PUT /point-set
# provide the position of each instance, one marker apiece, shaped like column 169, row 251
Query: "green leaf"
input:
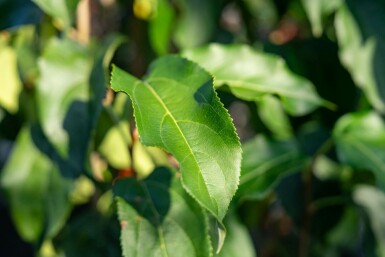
column 69, row 114
column 37, row 193
column 158, row 218
column 373, row 202
column 273, row 116
column 64, row 112
column 361, row 47
column 196, row 23
column 317, row 11
column 62, row 10
column 251, row 75
column 360, row 142
column 177, row 109
column 160, row 27
column 264, row 163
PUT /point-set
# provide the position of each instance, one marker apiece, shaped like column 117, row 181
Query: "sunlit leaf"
column 176, row 108
column 64, row 112
column 250, row 75
column 158, row 218
column 70, row 113
column 360, row 141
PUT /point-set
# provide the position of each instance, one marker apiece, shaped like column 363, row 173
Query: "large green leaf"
column 250, row 75
column 158, row 218
column 372, row 201
column 63, row 99
column 360, row 33
column 360, row 141
column 37, row 193
column 264, row 163
column 176, row 108
column 70, row 101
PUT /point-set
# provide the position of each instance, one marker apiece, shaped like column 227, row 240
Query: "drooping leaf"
column 317, row 11
column 372, row 200
column 158, row 218
column 360, row 142
column 264, row 163
column 251, row 75
column 176, row 108
column 37, row 193
column 359, row 30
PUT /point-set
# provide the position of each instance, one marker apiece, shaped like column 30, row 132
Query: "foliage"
column 192, row 128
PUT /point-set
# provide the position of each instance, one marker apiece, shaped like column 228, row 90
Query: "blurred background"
column 65, row 137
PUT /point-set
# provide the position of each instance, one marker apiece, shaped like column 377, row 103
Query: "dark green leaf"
column 264, row 163
column 158, row 218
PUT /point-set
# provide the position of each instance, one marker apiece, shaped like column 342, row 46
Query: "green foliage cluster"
column 224, row 128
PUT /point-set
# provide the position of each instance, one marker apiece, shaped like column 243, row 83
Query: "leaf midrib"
column 180, row 132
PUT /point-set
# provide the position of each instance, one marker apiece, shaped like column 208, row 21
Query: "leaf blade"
column 250, row 75
column 175, row 108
